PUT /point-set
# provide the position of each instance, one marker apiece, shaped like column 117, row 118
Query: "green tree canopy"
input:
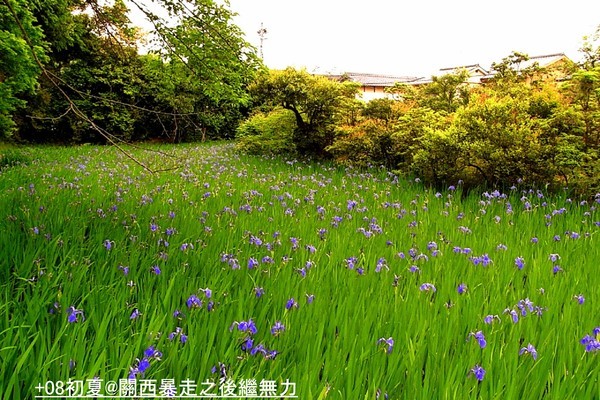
column 316, row 102
column 21, row 41
column 97, row 87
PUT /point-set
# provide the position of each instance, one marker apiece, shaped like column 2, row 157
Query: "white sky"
column 416, row 37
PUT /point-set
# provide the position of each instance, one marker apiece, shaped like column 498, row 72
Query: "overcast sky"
column 416, row 37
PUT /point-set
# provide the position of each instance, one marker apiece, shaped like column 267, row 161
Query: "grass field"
column 325, row 282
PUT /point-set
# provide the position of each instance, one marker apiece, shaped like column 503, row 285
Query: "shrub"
column 269, row 133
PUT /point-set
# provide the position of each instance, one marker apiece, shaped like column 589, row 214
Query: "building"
column 373, row 85
column 554, row 67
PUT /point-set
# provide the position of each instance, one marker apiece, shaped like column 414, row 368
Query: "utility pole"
column 262, row 33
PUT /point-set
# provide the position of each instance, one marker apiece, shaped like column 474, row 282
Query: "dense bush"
column 318, row 104
column 523, row 126
column 505, row 133
column 269, row 133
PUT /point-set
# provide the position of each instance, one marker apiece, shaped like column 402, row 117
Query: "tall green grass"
column 59, row 213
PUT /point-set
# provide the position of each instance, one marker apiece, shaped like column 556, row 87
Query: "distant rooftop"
column 472, row 67
column 542, row 61
column 367, row 79
column 477, row 73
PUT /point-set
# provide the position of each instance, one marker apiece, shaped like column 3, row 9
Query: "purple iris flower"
column 351, row 262
column 143, row 365
column 381, row 263
column 267, row 260
column 135, row 314
column 514, row 315
column 478, row 372
column 252, row 263
column 592, row 342
column 258, row 291
column 74, row 315
column 389, row 343
column 185, row 246
column 485, row 260
column 479, row 337
column 580, row 299
column 525, row 305
column 193, row 302
column 520, row 262
column 462, row 288
column 151, row 352
column 426, row 287
column 255, row 241
column 351, row 204
column 556, row 269
column 245, row 326
column 247, row 344
column 175, row 333
column 322, row 232
column 291, row 303
column 529, row 350
column 294, row 242
column 277, row 328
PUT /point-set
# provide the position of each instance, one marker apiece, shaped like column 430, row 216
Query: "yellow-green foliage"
column 269, row 133
column 501, row 133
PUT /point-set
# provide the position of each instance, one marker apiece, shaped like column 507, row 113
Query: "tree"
column 90, row 77
column 591, row 50
column 447, row 92
column 18, row 66
column 96, row 87
column 315, row 101
column 207, row 69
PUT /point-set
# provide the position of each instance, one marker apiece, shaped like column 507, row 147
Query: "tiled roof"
column 472, row 67
column 366, row 79
column 478, row 73
column 542, row 61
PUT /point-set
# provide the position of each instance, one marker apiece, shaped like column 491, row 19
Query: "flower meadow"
column 353, row 284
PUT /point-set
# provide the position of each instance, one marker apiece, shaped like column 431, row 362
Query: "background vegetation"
column 520, row 127
column 71, row 72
